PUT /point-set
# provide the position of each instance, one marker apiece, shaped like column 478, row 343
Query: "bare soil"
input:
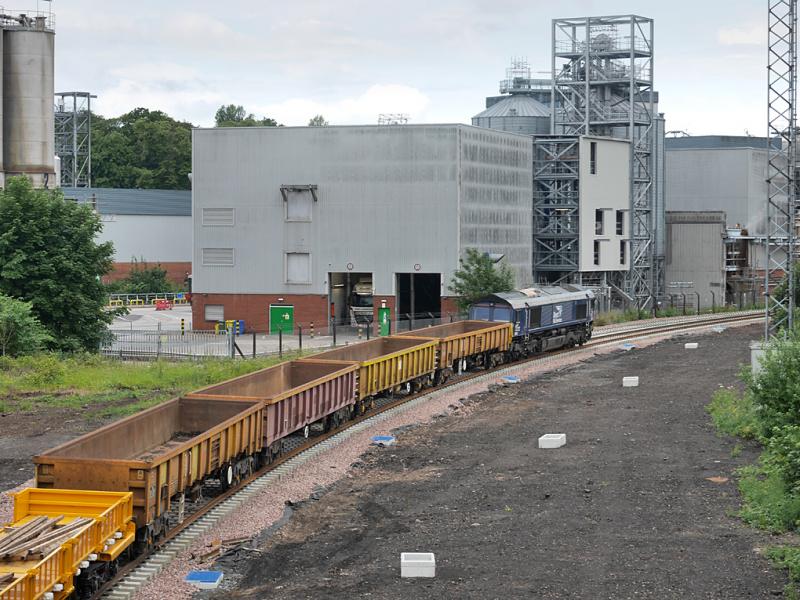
column 24, row 434
column 624, row 510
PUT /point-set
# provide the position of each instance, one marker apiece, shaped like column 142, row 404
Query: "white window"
column 218, row 217
column 218, row 257
column 299, row 206
column 214, row 312
column 298, row 267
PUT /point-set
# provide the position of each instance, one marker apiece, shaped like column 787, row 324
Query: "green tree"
column 143, row 279
column 20, row 330
column 49, row 256
column 318, row 121
column 232, row 115
column 479, row 276
column 141, row 149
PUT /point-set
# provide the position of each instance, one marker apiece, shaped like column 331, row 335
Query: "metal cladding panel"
column 388, row 199
column 110, row 201
column 28, row 118
column 515, row 124
column 294, row 412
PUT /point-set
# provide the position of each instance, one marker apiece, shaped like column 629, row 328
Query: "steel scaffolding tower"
column 73, row 130
column 782, row 194
column 603, row 85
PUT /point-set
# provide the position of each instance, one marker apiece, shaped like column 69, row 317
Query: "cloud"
column 361, row 109
column 737, row 36
column 176, row 89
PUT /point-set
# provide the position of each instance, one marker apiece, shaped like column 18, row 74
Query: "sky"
column 351, row 60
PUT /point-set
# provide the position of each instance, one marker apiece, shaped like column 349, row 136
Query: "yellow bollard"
column 312, row 330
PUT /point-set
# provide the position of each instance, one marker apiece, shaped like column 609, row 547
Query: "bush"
column 783, row 455
column 734, row 413
column 20, row 331
column 767, row 503
column 776, row 389
column 143, row 279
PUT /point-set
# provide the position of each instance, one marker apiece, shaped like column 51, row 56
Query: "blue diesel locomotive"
column 544, row 318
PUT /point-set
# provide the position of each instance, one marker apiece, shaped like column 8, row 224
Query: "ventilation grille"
column 218, row 216
column 218, row 257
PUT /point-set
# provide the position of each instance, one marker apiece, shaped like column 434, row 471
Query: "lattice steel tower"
column 782, row 205
column 73, row 130
column 603, row 85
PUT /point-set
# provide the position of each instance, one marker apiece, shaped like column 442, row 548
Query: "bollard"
column 299, row 337
column 280, row 342
column 359, row 332
column 183, row 326
column 254, row 344
column 312, row 330
column 216, row 328
column 333, row 327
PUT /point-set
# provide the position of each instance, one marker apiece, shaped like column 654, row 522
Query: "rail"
column 179, row 538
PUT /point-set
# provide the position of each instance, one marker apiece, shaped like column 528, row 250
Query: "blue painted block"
column 383, row 440
column 207, row 580
column 511, row 379
column 628, row 346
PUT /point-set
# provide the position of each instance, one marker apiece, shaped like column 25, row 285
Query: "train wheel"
column 226, row 477
column 306, row 431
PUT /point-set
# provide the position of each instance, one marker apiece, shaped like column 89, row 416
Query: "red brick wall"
column 176, row 271
column 377, row 303
column 253, row 309
column 449, row 306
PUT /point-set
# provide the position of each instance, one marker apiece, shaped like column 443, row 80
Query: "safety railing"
column 134, row 300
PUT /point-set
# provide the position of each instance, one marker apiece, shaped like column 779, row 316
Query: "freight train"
column 220, row 434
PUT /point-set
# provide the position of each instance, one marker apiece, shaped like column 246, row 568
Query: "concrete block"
column 630, row 381
column 691, row 346
column 383, row 440
column 205, row 580
column 417, row 564
column 552, row 440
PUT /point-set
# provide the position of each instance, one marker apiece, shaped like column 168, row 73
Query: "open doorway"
column 419, row 294
column 351, row 296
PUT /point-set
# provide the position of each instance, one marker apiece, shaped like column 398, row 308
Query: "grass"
column 787, row 557
column 734, row 413
column 107, row 387
column 766, row 503
column 619, row 316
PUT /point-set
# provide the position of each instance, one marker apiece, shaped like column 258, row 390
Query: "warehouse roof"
column 112, row 201
column 516, row 106
column 714, row 142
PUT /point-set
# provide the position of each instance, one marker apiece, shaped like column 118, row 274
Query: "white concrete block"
column 552, row 440
column 417, row 564
column 691, row 346
column 630, row 381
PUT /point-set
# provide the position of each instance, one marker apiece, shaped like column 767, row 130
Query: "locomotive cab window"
column 481, row 313
column 501, row 314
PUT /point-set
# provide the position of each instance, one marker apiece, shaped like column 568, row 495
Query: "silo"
column 28, row 88
column 517, row 113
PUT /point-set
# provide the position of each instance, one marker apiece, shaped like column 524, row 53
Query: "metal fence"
column 139, row 344
column 146, row 299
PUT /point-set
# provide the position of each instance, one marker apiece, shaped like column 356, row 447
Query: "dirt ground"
column 25, row 434
column 624, row 510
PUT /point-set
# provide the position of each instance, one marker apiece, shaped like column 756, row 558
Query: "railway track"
column 135, row 574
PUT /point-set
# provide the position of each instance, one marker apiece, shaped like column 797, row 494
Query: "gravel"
column 266, row 507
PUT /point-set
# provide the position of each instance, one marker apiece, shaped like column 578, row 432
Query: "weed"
column 736, row 451
column 734, row 413
column 766, row 502
column 787, row 557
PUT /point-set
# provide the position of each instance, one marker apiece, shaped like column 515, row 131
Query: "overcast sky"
column 353, row 59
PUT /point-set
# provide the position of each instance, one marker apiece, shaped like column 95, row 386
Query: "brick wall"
column 176, row 271
column 449, row 306
column 253, row 309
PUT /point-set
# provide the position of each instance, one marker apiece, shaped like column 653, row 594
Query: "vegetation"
column 231, row 115
column 20, row 330
column 143, row 279
column 318, row 121
column 106, row 387
column 141, row 149
column 768, row 411
column 479, row 276
column 49, row 257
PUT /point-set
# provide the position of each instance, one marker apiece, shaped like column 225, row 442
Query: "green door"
column 281, row 318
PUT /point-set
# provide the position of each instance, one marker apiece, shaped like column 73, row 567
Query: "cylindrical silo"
column 28, row 120
column 517, row 113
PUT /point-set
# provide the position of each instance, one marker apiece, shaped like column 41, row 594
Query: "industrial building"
column 727, row 174
column 152, row 226
column 601, row 90
column 316, row 221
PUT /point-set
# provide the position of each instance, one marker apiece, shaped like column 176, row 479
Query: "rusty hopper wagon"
column 385, row 364
column 158, row 454
column 62, row 540
column 463, row 344
column 295, row 395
